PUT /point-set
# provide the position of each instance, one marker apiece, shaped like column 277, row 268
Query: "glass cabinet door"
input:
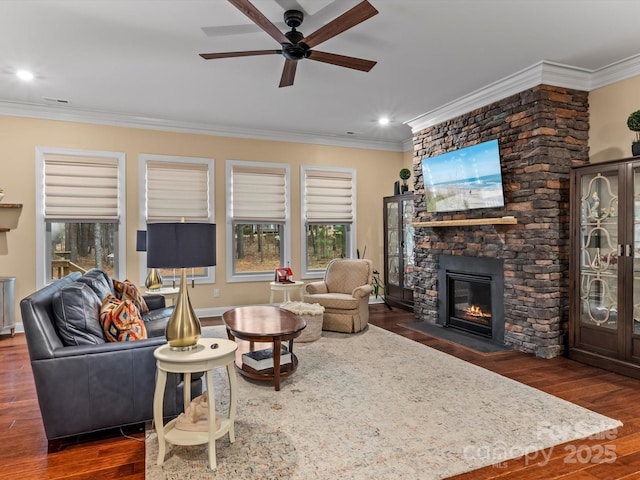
column 636, row 251
column 599, row 251
column 407, row 250
column 393, row 244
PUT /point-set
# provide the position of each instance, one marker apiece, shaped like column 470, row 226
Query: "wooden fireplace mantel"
column 468, row 222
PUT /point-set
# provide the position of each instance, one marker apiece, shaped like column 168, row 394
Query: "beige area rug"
column 376, row 405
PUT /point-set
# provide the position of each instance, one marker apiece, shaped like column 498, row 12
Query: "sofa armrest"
column 314, row 288
column 154, row 302
column 362, row 291
column 108, row 348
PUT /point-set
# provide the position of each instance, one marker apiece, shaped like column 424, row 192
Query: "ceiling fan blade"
column 248, row 53
column 350, row 18
column 246, row 7
column 342, row 60
column 288, row 73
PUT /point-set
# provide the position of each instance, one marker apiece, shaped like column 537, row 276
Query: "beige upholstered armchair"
column 344, row 294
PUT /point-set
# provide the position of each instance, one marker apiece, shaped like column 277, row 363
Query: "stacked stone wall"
column 541, row 132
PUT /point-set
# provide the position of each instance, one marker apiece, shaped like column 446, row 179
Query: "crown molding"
column 66, row 114
column 547, row 73
column 616, row 72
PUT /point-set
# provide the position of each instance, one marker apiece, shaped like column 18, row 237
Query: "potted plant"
column 405, row 174
column 633, row 122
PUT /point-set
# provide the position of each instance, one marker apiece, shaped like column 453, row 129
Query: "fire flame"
column 476, row 311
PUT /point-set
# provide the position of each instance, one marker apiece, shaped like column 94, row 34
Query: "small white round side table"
column 286, row 288
column 205, row 357
column 167, row 292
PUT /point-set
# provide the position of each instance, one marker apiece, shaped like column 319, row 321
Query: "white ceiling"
column 137, row 60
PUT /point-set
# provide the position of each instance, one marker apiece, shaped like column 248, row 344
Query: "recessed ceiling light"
column 24, row 75
column 383, row 121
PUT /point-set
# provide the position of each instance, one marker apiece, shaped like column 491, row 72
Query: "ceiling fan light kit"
column 295, row 46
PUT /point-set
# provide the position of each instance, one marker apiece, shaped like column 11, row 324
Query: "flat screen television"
column 464, row 179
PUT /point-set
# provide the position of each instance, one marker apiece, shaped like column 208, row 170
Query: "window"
column 78, row 222
column 175, row 188
column 328, row 208
column 258, row 229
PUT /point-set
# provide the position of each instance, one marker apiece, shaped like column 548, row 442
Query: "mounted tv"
column 464, row 179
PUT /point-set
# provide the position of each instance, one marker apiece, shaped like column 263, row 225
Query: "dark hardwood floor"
column 23, row 446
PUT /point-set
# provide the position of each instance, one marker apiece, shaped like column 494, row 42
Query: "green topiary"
column 633, row 122
column 405, row 174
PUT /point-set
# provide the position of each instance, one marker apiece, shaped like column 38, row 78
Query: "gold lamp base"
column 154, row 280
column 183, row 329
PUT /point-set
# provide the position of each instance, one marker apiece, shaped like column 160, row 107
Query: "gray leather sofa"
column 85, row 384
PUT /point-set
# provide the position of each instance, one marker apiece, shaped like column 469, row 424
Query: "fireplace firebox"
column 471, row 295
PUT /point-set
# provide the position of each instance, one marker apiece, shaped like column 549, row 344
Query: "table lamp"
column 153, row 280
column 181, row 245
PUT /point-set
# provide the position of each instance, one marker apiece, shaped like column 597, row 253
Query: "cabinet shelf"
column 468, row 222
column 9, row 215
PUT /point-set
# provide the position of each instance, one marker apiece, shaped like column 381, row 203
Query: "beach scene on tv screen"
column 464, row 179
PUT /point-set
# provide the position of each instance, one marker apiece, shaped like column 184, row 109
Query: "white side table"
column 167, row 292
column 203, row 358
column 287, row 288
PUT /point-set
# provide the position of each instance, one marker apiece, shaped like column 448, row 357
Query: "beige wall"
column 408, row 163
column 375, row 172
column 609, row 107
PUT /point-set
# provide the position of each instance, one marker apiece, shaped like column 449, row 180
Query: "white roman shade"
column 177, row 190
column 328, row 196
column 259, row 194
column 80, row 187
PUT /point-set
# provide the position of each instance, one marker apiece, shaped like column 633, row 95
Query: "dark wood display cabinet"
column 604, row 322
column 398, row 251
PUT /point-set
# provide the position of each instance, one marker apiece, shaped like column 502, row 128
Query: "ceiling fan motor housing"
column 295, row 50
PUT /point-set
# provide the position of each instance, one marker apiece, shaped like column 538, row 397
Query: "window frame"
column 209, row 276
column 285, row 237
column 350, row 227
column 43, row 230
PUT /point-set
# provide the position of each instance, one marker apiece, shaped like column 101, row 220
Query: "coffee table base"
column 268, row 374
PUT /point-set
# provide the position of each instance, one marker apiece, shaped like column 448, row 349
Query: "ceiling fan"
column 295, row 46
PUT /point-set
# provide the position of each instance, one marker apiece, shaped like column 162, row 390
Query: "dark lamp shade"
column 181, row 245
column 141, row 241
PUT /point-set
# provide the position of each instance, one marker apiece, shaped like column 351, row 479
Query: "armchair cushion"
column 341, row 301
column 76, row 309
column 121, row 321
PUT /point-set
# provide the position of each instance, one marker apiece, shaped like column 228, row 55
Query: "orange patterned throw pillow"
column 120, row 320
column 128, row 291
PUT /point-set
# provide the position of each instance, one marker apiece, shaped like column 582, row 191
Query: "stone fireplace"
column 471, row 295
column 542, row 132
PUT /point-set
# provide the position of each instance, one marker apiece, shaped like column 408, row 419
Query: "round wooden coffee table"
column 259, row 324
